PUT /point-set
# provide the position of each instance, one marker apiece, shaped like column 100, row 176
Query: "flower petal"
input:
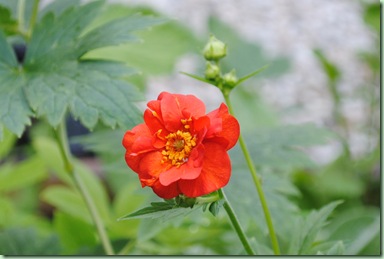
column 189, row 170
column 151, row 165
column 166, row 192
column 134, row 147
column 175, row 107
column 228, row 132
column 215, row 173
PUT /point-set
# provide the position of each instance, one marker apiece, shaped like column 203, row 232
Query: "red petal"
column 230, row 128
column 189, row 170
column 135, row 143
column 190, row 105
column 166, row 192
column 151, row 165
column 175, row 107
column 214, row 175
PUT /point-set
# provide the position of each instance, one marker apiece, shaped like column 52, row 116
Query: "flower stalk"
column 32, row 22
column 62, row 140
column 256, row 180
column 236, row 224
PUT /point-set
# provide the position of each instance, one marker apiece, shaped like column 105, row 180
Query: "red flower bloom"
column 180, row 149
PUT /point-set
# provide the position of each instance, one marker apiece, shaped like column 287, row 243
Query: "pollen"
column 178, row 147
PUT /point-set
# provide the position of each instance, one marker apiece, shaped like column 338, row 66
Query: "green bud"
column 212, row 71
column 230, row 79
column 215, row 49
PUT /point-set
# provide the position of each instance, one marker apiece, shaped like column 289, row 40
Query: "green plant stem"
column 127, row 248
column 257, row 183
column 236, row 224
column 20, row 14
column 62, row 140
column 32, row 22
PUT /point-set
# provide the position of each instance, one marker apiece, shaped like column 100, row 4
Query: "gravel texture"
column 292, row 28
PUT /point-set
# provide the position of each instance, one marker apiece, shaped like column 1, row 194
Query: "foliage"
column 81, row 61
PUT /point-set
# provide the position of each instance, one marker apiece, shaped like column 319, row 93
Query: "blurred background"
column 311, row 120
column 319, row 52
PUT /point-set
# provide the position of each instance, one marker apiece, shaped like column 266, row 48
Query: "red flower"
column 180, row 149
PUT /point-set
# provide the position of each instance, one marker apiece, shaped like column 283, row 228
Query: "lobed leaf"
column 307, row 229
column 26, row 241
column 54, row 79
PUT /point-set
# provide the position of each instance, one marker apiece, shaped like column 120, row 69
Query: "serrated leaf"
column 282, row 146
column 54, row 79
column 307, row 229
column 64, row 32
column 14, row 109
column 26, row 241
column 153, row 56
column 58, row 7
column 115, row 32
column 162, row 210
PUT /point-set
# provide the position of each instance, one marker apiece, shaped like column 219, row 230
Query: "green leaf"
column 64, row 225
column 214, row 208
column 359, row 227
column 306, row 230
column 21, row 175
column 153, row 56
column 116, row 32
column 331, row 70
column 58, row 7
column 7, row 23
column 71, row 202
column 7, row 143
column 336, row 249
column 14, row 110
column 68, row 201
column 281, row 146
column 25, row 241
column 198, row 78
column 252, row 74
column 163, row 210
column 372, row 16
column 54, row 78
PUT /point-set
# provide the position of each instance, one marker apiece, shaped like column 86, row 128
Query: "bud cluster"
column 213, row 52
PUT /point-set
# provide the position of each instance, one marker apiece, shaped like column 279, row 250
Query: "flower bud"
column 230, row 79
column 215, row 49
column 212, row 71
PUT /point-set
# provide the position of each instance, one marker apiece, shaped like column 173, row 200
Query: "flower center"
column 178, row 147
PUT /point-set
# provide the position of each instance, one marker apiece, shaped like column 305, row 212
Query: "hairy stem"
column 62, row 140
column 236, row 224
column 257, row 183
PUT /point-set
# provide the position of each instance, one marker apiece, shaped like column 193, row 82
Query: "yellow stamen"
column 178, row 147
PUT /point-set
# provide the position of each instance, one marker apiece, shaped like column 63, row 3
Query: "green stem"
column 236, row 224
column 20, row 14
column 62, row 140
column 257, row 183
column 127, row 248
column 32, row 22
